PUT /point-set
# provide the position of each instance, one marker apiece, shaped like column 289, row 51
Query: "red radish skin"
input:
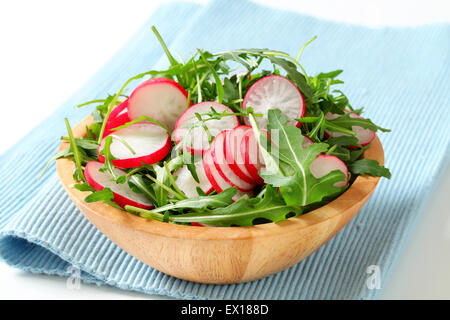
column 271, row 92
column 198, row 142
column 117, row 118
column 220, row 162
column 161, row 99
column 324, row 164
column 196, row 224
column 186, row 182
column 119, row 109
column 118, row 121
column 253, row 159
column 123, row 195
column 150, row 142
column 364, row 136
column 233, row 154
column 219, row 184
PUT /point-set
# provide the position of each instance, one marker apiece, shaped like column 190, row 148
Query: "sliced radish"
column 161, row 99
column 219, row 184
column 324, row 164
column 196, row 224
column 364, row 136
column 307, row 141
column 253, row 159
column 117, row 117
column 119, row 109
column 186, row 182
column 197, row 138
column 274, row 92
column 233, row 154
column 123, row 195
column 218, row 155
column 150, row 142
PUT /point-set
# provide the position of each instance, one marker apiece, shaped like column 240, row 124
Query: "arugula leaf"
column 314, row 190
column 342, row 141
column 105, row 195
column 243, row 212
column 341, row 152
column 370, row 167
column 355, row 154
column 108, row 165
column 83, row 187
column 296, row 76
column 213, row 71
column 201, row 202
column 161, row 193
column 75, row 151
column 347, row 122
column 140, row 183
column 297, row 185
column 140, row 119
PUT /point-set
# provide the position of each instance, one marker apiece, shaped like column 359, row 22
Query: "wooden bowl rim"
column 346, row 201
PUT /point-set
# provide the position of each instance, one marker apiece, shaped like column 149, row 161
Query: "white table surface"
column 60, row 44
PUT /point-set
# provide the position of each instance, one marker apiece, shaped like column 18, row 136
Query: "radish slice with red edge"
column 274, row 92
column 150, row 142
column 324, row 164
column 218, row 155
column 197, row 138
column 186, row 182
column 196, row 224
column 161, row 99
column 123, row 195
column 364, row 136
column 253, row 159
column 219, row 184
column 233, row 153
column 117, row 118
column 119, row 109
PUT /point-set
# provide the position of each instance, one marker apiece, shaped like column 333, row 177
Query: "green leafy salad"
column 233, row 138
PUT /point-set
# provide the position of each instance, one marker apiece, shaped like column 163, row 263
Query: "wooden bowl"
column 228, row 254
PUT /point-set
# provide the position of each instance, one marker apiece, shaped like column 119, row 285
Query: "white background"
column 50, row 48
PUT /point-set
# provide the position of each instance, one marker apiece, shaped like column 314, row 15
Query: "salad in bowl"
column 228, row 139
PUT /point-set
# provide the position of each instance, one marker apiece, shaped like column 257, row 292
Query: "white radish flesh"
column 123, row 195
column 161, row 99
column 197, row 138
column 324, row 164
column 253, row 158
column 186, row 182
column 219, row 184
column 233, row 155
column 150, row 142
column 274, row 92
column 221, row 164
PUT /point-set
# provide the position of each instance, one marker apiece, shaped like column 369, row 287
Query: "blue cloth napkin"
column 400, row 75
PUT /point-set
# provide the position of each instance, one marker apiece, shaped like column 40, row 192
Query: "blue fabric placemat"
column 400, row 75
